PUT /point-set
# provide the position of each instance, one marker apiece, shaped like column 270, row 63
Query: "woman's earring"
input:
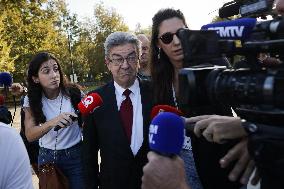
column 159, row 53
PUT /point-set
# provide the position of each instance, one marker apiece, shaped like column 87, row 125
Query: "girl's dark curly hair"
column 35, row 89
column 162, row 71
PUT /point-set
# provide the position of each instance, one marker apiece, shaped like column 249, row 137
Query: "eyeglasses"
column 119, row 61
column 167, row 38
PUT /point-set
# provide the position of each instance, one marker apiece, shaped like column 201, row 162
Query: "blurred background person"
column 144, row 70
column 14, row 161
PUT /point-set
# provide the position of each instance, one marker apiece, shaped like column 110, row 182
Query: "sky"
column 197, row 12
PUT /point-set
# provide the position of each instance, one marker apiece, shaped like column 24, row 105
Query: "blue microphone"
column 166, row 134
column 6, row 79
column 239, row 29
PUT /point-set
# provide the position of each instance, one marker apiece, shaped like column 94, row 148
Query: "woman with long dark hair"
column 51, row 102
column 201, row 157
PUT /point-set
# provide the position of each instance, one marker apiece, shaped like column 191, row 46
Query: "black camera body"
column 254, row 91
column 252, row 8
column 5, row 115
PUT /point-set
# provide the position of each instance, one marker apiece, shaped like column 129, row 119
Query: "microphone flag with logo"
column 90, row 103
column 165, row 108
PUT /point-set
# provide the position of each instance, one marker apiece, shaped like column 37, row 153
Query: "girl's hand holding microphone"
column 63, row 120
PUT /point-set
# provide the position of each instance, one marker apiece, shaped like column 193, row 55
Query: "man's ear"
column 107, row 63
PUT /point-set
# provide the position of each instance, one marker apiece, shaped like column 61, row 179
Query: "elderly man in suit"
column 119, row 128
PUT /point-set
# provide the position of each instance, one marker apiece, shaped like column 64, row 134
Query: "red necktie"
column 126, row 114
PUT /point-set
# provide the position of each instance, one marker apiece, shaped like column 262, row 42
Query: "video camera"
column 255, row 90
column 251, row 8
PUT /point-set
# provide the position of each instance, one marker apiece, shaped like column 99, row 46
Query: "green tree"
column 29, row 27
column 106, row 21
column 147, row 31
column 69, row 27
column 6, row 62
column 84, row 49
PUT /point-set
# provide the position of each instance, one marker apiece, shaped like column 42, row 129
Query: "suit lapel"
column 146, row 108
column 112, row 109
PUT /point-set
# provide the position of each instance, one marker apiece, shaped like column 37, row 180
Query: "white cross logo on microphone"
column 88, row 100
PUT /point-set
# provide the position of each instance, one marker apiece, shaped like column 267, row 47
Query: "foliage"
column 6, row 62
column 28, row 27
column 138, row 30
column 106, row 22
column 88, row 49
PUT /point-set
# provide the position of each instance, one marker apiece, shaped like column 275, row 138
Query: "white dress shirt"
column 137, row 124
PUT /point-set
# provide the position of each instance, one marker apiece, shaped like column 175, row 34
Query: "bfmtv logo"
column 87, row 101
column 153, row 130
column 229, row 31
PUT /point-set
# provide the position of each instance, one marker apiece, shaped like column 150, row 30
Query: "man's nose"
column 125, row 64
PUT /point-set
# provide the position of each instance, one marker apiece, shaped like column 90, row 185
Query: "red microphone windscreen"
column 90, row 103
column 165, row 108
column 2, row 100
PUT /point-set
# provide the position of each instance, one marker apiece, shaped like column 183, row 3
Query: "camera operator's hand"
column 217, row 128
column 244, row 164
column 164, row 173
column 17, row 89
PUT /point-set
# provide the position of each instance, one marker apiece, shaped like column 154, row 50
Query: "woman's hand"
column 34, row 132
column 63, row 120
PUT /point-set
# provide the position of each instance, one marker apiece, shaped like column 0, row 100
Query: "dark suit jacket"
column 103, row 131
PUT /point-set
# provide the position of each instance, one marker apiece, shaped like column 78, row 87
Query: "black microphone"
column 229, row 9
column 73, row 118
column 5, row 115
